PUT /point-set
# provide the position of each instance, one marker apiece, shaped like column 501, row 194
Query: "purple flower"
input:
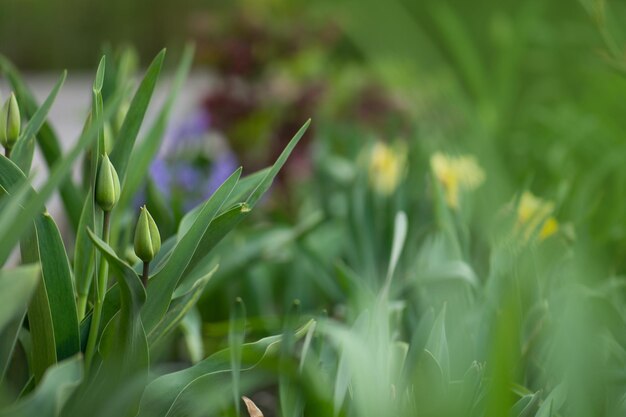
column 222, row 169
column 191, row 129
column 193, row 162
column 160, row 175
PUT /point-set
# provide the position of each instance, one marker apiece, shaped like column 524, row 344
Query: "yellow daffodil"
column 456, row 174
column 533, row 213
column 387, row 166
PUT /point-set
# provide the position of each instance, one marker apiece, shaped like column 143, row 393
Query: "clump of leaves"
column 78, row 329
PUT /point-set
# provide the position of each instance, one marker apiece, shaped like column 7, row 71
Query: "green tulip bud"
column 107, row 185
column 147, row 237
column 9, row 122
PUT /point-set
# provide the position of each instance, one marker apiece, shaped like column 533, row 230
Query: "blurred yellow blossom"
column 456, row 174
column 387, row 166
column 533, row 214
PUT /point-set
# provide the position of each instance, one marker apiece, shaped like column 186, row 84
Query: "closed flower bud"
column 9, row 122
column 107, row 185
column 147, row 237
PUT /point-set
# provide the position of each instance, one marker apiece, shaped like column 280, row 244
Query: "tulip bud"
column 9, row 122
column 107, row 185
column 147, row 237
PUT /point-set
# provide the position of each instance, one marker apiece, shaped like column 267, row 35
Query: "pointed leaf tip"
column 253, row 410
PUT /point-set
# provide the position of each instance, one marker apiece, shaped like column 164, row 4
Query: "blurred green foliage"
column 453, row 222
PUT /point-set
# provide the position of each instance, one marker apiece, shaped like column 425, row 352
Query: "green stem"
column 101, row 287
column 146, row 271
column 81, row 305
column 7, row 153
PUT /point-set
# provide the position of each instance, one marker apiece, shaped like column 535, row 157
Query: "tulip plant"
column 79, row 329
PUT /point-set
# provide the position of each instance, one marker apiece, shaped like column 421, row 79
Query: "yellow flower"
column 550, row 227
column 456, row 174
column 533, row 214
column 387, row 166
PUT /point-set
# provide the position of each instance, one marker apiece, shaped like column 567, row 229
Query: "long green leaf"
column 11, row 228
column 124, row 341
column 162, row 285
column 57, row 278
column 44, row 352
column 437, row 342
column 217, row 230
column 242, row 190
column 46, row 138
column 227, row 223
column 166, row 394
column 84, row 259
column 147, row 148
column 16, row 289
column 52, row 312
column 132, row 122
column 236, row 337
column 266, row 183
column 23, row 152
column 55, row 388
column 179, row 308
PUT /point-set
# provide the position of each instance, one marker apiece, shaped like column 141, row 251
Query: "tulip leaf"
column 553, row 402
column 25, row 146
column 526, row 406
column 236, row 337
column 165, row 396
column 12, row 227
column 47, row 139
column 132, row 122
column 228, row 222
column 266, row 183
column 141, row 158
column 17, row 287
column 54, row 390
column 52, row 312
column 57, row 278
column 124, row 339
column 162, row 285
column 179, row 307
column 84, row 259
column 437, row 343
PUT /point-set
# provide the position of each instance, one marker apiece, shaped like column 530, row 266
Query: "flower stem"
column 7, row 153
column 81, row 305
column 146, row 271
column 101, row 287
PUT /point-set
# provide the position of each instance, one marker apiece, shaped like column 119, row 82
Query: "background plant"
column 456, row 234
